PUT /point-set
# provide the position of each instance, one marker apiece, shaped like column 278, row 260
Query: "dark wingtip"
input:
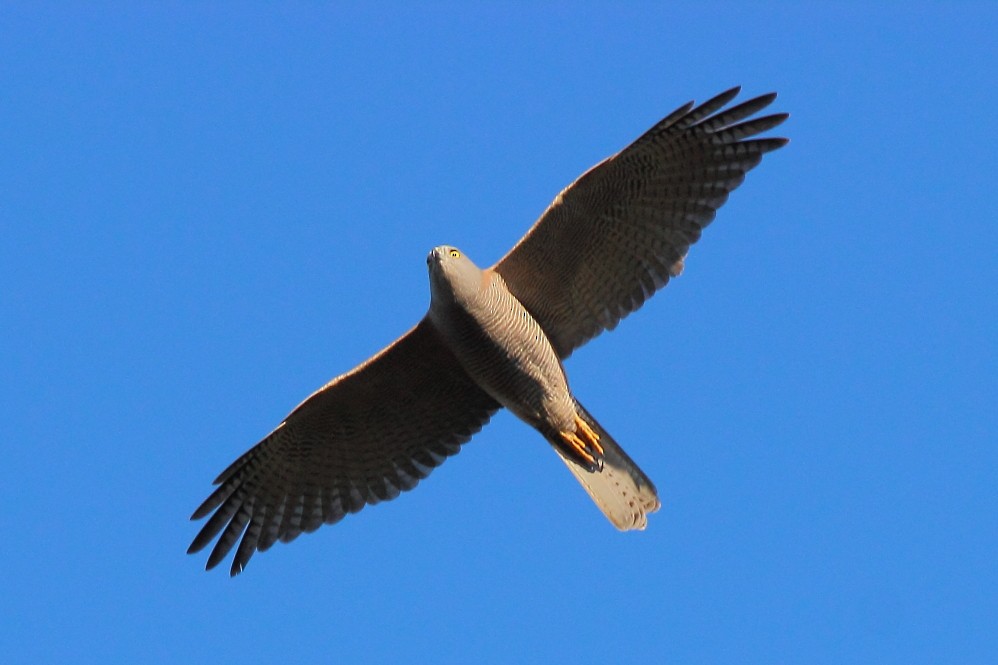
column 779, row 118
column 766, row 99
column 776, row 143
column 199, row 542
column 216, row 557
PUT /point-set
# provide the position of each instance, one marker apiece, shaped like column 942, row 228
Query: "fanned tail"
column 621, row 490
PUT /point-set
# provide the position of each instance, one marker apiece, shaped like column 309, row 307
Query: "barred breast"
column 506, row 351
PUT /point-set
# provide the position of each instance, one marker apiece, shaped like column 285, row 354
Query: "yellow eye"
column 454, row 254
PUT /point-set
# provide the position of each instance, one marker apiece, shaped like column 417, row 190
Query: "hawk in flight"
column 496, row 338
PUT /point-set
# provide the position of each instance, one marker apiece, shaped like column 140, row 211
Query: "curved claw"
column 583, row 445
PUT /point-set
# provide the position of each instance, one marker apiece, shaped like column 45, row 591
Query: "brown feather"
column 363, row 438
column 616, row 235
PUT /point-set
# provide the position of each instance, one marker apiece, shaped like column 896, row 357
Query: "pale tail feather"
column 621, row 490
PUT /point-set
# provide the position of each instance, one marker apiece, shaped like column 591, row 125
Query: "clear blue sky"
column 207, row 212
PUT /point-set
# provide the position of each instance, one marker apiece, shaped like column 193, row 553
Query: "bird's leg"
column 584, row 443
column 588, row 434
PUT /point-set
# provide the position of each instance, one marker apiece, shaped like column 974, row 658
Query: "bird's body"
column 497, row 341
column 496, row 338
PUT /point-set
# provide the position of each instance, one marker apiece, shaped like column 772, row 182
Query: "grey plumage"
column 495, row 338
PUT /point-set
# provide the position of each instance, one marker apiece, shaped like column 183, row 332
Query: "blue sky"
column 208, row 211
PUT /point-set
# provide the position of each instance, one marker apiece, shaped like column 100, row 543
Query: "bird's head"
column 453, row 276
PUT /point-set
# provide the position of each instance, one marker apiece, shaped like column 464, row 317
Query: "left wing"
column 618, row 233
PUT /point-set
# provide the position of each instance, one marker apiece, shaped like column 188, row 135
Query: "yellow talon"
column 588, row 434
column 582, row 440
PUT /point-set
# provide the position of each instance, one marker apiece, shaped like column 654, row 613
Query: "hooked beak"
column 434, row 257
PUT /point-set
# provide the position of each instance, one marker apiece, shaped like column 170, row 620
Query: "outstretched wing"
column 363, row 438
column 618, row 233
